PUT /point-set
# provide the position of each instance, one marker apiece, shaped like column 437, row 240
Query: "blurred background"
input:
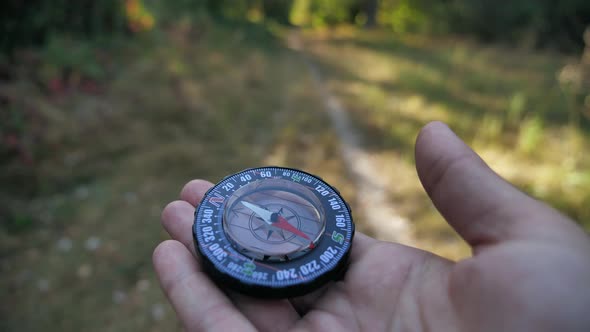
column 108, row 107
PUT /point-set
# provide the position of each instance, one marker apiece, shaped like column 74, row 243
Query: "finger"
column 199, row 304
column 303, row 304
column 177, row 219
column 266, row 315
column 194, row 191
column 360, row 244
column 178, row 216
column 477, row 203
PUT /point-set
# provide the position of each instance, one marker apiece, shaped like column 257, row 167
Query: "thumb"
column 481, row 206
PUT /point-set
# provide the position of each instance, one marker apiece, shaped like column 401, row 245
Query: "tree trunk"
column 371, row 7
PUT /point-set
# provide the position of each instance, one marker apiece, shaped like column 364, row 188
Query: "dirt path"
column 376, row 209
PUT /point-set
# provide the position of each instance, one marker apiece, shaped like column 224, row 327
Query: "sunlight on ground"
column 495, row 99
column 177, row 111
column 194, row 103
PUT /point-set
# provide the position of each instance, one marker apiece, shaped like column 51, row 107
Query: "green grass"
column 205, row 100
column 506, row 103
column 184, row 104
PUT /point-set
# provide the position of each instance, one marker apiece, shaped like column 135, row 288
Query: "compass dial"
column 274, row 220
column 273, row 232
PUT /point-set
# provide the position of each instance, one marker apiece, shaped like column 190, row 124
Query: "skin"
column 530, row 269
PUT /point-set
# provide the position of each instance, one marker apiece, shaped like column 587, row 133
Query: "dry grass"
column 205, row 101
column 176, row 110
column 505, row 103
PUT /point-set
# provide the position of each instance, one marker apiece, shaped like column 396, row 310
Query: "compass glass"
column 273, row 232
column 274, row 220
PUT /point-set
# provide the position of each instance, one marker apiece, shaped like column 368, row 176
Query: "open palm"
column 530, row 268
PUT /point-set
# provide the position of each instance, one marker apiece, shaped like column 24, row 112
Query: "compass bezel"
column 273, row 279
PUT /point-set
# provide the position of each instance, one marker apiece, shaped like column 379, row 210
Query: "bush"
column 30, row 23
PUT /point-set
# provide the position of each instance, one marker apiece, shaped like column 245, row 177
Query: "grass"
column 205, row 100
column 180, row 107
column 505, row 103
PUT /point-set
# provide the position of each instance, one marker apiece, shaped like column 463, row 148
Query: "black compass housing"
column 316, row 242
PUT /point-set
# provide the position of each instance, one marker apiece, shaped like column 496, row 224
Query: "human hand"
column 530, row 269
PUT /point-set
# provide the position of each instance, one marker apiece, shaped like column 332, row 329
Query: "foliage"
column 66, row 55
column 251, row 10
column 546, row 23
column 139, row 18
column 542, row 23
column 408, row 16
column 100, row 123
column 530, row 135
column 330, row 12
column 30, row 23
column 539, row 23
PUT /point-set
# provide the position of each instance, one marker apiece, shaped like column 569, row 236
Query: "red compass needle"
column 275, row 220
column 283, row 224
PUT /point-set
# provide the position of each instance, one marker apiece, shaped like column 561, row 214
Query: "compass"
column 273, row 232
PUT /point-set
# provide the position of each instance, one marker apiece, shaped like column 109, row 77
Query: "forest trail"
column 379, row 215
column 343, row 104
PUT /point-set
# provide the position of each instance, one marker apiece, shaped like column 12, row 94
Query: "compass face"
column 275, row 219
column 273, row 232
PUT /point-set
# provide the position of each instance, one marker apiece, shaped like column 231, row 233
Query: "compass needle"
column 250, row 227
column 282, row 223
column 262, row 213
